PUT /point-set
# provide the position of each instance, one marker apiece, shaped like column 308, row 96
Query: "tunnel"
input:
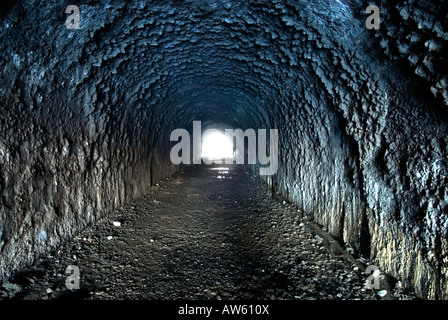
column 90, row 92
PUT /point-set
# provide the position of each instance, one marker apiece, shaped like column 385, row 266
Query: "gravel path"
column 212, row 232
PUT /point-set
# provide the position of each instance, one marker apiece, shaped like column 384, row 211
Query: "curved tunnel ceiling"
column 225, row 61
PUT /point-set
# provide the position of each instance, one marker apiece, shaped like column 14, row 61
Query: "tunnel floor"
column 207, row 232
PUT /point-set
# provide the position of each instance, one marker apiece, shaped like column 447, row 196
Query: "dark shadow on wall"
column 6, row 6
column 364, row 236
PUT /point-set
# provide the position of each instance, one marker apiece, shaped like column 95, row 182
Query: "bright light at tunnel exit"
column 217, row 146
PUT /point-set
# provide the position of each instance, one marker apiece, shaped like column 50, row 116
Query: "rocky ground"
column 212, row 232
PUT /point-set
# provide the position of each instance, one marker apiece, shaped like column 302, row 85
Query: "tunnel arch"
column 362, row 138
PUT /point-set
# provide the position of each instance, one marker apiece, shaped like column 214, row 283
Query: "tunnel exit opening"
column 216, row 147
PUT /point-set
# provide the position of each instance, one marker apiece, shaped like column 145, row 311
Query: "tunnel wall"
column 71, row 149
column 63, row 165
column 380, row 185
column 409, row 190
column 415, row 33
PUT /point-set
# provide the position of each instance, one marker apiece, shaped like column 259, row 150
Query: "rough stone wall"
column 87, row 116
column 381, row 184
column 408, row 191
column 71, row 148
column 416, row 33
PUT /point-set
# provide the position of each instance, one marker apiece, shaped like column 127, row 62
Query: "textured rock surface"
column 86, row 115
column 191, row 238
column 417, row 32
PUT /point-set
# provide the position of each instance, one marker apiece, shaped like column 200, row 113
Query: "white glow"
column 217, row 146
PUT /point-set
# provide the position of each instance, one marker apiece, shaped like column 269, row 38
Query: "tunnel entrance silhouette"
column 216, row 146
